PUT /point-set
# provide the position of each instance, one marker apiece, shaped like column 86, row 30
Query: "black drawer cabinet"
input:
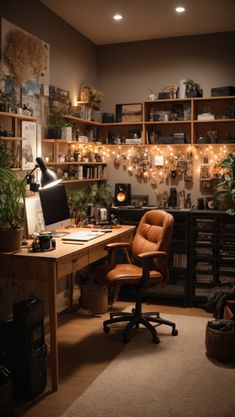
column 212, row 252
column 177, row 288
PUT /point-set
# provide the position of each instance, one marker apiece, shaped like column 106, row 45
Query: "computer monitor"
column 55, row 208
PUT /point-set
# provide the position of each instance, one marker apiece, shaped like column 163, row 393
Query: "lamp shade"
column 48, row 177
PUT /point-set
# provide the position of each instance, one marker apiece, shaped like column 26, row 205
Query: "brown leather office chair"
column 147, row 265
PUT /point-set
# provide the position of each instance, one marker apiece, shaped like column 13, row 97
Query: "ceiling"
column 144, row 19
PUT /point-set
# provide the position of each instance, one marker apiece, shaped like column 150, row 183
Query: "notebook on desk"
column 82, row 236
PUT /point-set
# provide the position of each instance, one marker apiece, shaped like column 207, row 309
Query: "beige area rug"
column 172, row 379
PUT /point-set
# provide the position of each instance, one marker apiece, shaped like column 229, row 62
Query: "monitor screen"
column 55, row 208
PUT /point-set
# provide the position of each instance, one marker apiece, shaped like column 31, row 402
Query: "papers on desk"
column 82, row 236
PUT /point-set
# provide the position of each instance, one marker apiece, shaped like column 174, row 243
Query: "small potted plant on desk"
column 225, row 188
column 12, row 192
column 79, row 201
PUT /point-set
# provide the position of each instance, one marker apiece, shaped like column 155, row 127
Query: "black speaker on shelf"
column 122, row 194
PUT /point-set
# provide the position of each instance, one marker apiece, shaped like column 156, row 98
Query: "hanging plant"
column 26, row 56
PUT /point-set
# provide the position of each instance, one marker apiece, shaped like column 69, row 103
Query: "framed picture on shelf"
column 29, row 144
column 31, row 97
column 129, row 113
column 205, row 172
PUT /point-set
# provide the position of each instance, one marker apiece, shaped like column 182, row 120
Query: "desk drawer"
column 72, row 264
column 97, row 252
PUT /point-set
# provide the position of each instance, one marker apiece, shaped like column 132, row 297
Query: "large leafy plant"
column 225, row 188
column 12, row 192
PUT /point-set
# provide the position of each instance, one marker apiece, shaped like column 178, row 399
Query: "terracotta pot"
column 10, row 239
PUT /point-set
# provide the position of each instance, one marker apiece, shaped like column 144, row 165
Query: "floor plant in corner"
column 12, row 192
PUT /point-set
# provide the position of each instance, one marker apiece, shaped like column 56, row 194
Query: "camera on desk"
column 43, row 242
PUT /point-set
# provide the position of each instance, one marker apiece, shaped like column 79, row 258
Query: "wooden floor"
column 84, row 352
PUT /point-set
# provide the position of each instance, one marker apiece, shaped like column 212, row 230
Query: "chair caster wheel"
column 174, row 332
column 156, row 340
column 106, row 329
column 125, row 339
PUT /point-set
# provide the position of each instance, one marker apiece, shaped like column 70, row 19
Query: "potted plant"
column 12, row 192
column 101, row 195
column 79, row 201
column 225, row 189
column 192, row 89
column 56, row 123
column 7, row 101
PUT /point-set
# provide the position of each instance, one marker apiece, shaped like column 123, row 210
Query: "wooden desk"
column 50, row 266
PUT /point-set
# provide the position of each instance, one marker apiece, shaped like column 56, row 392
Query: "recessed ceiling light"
column 180, row 9
column 117, row 17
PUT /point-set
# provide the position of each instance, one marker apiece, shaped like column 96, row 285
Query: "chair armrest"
column 147, row 260
column 117, row 245
column 112, row 247
column 152, row 255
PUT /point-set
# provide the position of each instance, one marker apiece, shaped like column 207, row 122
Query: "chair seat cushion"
column 122, row 274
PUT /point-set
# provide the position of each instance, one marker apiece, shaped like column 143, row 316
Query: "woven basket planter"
column 94, row 297
column 220, row 344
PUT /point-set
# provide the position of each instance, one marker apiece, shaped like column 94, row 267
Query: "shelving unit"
column 11, row 132
column 171, row 122
column 168, row 121
column 175, row 121
column 63, row 156
column 223, row 125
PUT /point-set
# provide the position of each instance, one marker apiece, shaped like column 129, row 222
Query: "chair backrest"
column 153, row 233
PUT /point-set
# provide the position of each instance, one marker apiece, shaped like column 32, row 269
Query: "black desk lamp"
column 48, row 177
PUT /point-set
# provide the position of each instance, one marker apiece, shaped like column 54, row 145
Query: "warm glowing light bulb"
column 117, row 17
column 180, row 9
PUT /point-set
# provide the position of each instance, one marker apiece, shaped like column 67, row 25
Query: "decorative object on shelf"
column 141, row 163
column 25, row 55
column 129, row 113
column 31, row 98
column 192, row 88
column 225, row 189
column 90, row 96
column 230, row 112
column 205, row 172
column 7, row 101
column 181, row 89
column 56, row 122
column 12, row 192
column 168, row 92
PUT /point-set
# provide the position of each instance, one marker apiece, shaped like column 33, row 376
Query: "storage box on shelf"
column 11, row 131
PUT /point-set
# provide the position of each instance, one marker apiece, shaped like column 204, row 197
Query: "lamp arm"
column 27, row 176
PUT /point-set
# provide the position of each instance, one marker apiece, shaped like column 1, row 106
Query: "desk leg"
column 52, row 284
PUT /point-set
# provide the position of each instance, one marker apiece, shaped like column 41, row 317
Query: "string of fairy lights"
column 159, row 163
column 156, row 163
